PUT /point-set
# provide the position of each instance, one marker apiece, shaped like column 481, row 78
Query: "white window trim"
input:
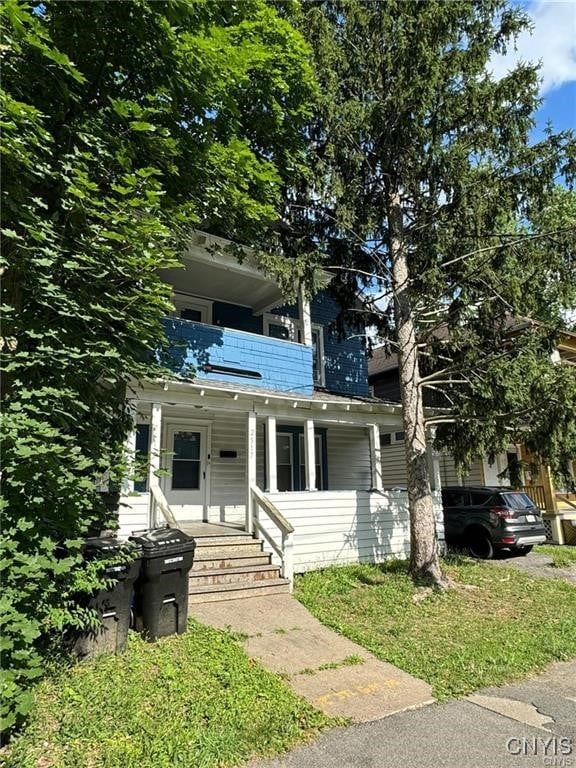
column 320, row 352
column 393, row 440
column 295, row 334
column 185, row 301
column 288, row 322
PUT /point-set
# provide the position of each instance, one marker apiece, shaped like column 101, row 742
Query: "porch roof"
column 211, row 268
column 318, row 400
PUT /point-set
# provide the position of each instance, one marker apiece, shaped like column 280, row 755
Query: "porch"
column 303, row 474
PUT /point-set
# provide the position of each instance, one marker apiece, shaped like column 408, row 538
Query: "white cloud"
column 552, row 42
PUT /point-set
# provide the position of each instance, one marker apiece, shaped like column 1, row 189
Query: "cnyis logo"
column 557, row 751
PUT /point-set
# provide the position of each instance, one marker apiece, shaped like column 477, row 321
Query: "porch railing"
column 159, row 504
column 567, row 498
column 536, row 493
column 285, row 549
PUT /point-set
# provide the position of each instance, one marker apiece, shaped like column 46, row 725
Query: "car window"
column 480, row 498
column 455, row 498
column 517, row 500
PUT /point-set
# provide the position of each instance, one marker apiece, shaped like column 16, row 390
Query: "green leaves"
column 182, row 113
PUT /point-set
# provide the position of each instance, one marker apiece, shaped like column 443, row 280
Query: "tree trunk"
column 424, row 560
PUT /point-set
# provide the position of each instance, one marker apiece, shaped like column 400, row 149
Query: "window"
column 318, row 354
column 284, row 461
column 279, row 327
column 455, row 498
column 142, row 451
column 517, row 500
column 387, row 438
column 289, row 329
column 291, row 459
column 192, row 308
column 480, row 498
column 186, row 461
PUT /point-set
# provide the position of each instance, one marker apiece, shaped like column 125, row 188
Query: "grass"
column 562, row 557
column 188, row 700
column 506, row 626
column 349, row 661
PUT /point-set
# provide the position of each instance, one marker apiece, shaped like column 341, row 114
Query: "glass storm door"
column 185, row 484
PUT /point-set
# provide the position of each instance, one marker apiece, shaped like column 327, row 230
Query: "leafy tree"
column 123, row 125
column 426, row 191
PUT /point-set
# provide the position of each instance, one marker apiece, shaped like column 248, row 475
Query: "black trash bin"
column 162, row 590
column 114, row 604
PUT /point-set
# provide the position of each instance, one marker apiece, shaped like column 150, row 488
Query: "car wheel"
column 524, row 550
column 480, row 546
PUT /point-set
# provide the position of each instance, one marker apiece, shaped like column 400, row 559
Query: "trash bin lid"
column 102, row 546
column 159, row 540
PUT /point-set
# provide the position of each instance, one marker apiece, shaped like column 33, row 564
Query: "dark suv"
column 486, row 519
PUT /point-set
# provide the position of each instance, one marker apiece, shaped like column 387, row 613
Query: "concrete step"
column 218, row 541
column 217, row 592
column 234, row 560
column 243, row 575
column 218, row 551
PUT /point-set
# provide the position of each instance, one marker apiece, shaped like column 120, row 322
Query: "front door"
column 185, row 485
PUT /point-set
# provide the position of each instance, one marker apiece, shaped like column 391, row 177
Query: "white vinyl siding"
column 348, row 459
column 394, row 468
column 339, row 527
column 228, row 475
column 133, row 514
column 450, row 476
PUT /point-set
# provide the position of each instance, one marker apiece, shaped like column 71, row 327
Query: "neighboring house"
column 559, row 503
column 268, row 426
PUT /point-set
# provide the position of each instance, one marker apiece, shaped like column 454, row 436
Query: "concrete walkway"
column 332, row 673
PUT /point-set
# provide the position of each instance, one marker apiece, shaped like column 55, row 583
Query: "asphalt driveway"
column 536, row 565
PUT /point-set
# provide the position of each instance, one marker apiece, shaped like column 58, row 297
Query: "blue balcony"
column 212, row 353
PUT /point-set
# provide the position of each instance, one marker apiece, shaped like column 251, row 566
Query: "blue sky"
column 553, row 42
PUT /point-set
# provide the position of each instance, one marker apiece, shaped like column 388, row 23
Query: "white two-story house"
column 266, row 436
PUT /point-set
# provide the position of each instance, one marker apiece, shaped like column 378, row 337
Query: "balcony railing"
column 209, row 352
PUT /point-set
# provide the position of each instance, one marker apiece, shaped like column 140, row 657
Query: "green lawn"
column 562, row 557
column 504, row 626
column 189, row 701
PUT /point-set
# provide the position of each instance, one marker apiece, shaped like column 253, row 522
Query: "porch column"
column 310, row 455
column 375, row 457
column 271, row 459
column 250, row 469
column 154, row 457
column 130, row 451
column 305, row 316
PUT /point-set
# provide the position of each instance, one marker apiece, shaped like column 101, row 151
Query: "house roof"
column 381, row 362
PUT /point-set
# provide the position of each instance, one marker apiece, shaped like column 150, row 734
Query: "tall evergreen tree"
column 427, row 191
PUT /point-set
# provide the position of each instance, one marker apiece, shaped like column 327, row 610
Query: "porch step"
column 220, row 551
column 217, row 592
column 232, row 566
column 225, row 540
column 230, row 560
column 244, row 574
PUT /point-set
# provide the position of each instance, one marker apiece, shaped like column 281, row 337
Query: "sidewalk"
column 332, row 673
column 524, row 725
